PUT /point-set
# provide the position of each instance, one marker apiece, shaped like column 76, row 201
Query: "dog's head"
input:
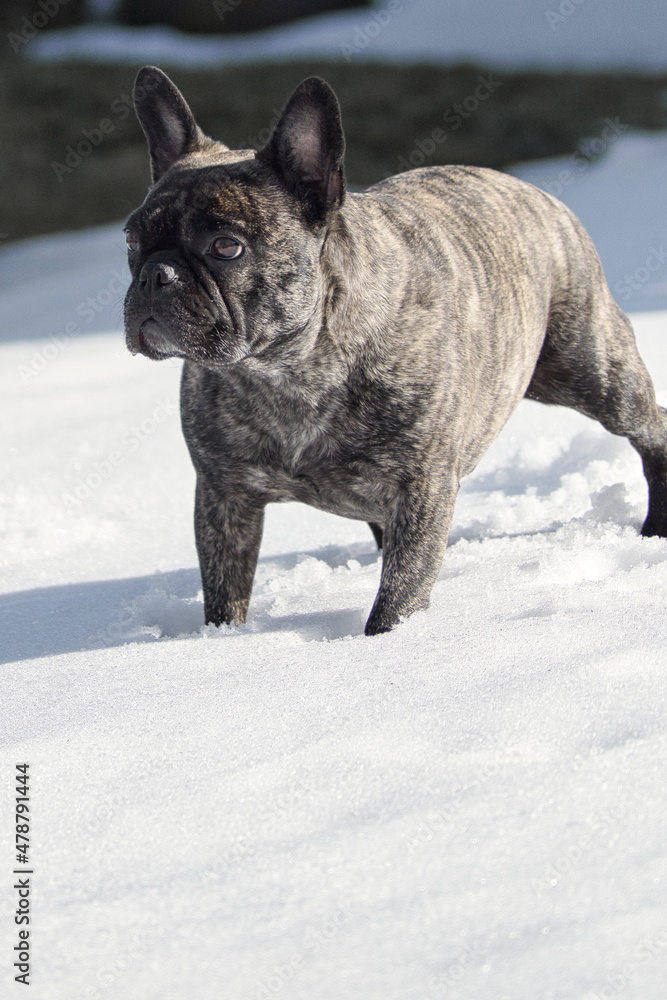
column 225, row 250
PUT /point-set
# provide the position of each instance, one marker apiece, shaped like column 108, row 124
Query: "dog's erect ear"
column 307, row 148
column 169, row 126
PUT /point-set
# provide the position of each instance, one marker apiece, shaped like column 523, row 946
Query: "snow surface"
column 470, row 807
column 594, row 33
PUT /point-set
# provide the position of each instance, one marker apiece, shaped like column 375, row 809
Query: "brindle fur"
column 365, row 349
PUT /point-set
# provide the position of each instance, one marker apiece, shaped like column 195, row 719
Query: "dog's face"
column 225, row 250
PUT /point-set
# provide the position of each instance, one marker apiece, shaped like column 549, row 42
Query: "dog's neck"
column 348, row 323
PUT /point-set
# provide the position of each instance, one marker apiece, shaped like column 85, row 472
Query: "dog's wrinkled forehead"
column 196, row 198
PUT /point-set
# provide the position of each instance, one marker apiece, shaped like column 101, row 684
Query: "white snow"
column 470, row 807
column 600, row 33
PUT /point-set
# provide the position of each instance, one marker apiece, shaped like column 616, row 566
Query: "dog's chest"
column 349, row 489
column 317, row 457
column 315, row 468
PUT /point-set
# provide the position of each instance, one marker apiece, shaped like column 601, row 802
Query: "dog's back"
column 491, row 272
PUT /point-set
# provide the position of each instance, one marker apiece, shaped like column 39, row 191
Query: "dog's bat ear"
column 307, row 148
column 168, row 123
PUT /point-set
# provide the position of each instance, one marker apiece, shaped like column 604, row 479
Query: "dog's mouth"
column 181, row 327
column 149, row 332
column 153, row 341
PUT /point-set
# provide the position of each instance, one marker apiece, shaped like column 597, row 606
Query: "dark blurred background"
column 72, row 154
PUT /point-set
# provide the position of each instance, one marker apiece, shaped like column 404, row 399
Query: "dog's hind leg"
column 590, row 362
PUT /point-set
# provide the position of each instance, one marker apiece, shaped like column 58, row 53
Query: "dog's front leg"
column 228, row 533
column 414, row 542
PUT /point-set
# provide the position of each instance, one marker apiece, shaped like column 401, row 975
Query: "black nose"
column 154, row 274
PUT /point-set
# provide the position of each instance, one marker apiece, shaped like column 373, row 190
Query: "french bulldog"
column 358, row 352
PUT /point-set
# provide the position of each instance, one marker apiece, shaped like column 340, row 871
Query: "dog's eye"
column 225, row 248
column 132, row 241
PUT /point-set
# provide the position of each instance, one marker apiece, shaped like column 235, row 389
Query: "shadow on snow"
column 48, row 621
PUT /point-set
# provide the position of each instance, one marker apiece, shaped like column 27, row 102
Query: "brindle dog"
column 359, row 352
